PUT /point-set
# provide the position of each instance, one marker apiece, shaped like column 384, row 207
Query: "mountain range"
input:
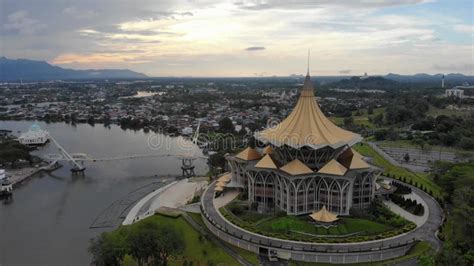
column 14, row 70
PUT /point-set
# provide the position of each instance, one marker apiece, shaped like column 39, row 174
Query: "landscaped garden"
column 377, row 223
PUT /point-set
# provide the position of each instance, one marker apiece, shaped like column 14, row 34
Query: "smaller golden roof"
column 296, row 167
column 225, row 178
column 266, row 162
column 352, row 160
column 249, row 154
column 218, row 189
column 221, row 184
column 333, row 168
column 324, row 216
column 357, row 162
column 267, row 150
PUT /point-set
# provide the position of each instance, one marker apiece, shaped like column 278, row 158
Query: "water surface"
column 48, row 222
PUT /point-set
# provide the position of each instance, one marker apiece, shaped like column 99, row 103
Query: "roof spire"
column 309, row 52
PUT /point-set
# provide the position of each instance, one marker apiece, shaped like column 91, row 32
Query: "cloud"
column 21, row 23
column 305, row 4
column 165, row 38
column 345, row 71
column 464, row 28
column 457, row 67
column 255, row 48
column 77, row 13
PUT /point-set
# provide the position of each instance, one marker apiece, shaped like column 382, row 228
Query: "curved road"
column 424, row 232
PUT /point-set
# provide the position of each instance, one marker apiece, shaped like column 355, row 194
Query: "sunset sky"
column 243, row 38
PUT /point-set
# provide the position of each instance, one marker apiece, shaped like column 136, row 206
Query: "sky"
column 244, row 37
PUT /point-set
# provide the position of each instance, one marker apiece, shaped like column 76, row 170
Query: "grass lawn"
column 250, row 256
column 392, row 170
column 199, row 251
column 303, row 224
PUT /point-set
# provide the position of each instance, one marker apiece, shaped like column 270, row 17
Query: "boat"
column 6, row 187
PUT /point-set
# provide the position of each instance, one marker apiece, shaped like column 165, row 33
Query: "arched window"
column 323, row 191
column 335, row 197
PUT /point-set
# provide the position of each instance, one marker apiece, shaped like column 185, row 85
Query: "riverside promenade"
column 340, row 253
column 174, row 195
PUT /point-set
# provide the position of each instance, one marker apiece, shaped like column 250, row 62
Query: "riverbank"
column 172, row 196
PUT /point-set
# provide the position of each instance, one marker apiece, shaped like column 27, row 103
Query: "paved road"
column 424, row 232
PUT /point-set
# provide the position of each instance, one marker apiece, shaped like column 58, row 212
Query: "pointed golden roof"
column 219, row 189
column 296, row 167
column 352, row 160
column 266, row 162
column 324, row 216
column 267, row 150
column 307, row 126
column 225, row 178
column 333, row 168
column 249, row 154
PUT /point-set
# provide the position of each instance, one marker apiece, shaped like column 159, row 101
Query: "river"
column 49, row 220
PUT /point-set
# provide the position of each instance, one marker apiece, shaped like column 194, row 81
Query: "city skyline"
column 243, row 38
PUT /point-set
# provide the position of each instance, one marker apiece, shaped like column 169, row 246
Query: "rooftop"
column 307, row 126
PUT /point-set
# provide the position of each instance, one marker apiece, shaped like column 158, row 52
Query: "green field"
column 250, row 256
column 301, row 228
column 396, row 171
column 303, row 224
column 361, row 120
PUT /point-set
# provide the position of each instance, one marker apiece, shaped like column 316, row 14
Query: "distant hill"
column 365, row 83
column 32, row 70
column 426, row 78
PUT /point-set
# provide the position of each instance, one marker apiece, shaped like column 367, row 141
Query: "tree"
column 226, row 126
column 109, row 248
column 142, row 241
column 406, row 157
column 170, row 242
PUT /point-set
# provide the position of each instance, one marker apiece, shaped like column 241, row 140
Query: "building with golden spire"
column 307, row 162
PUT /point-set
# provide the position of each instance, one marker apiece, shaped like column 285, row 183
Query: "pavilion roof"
column 324, row 216
column 225, row 178
column 352, row 160
column 333, row 168
column 266, row 162
column 267, row 150
column 296, row 167
column 249, row 154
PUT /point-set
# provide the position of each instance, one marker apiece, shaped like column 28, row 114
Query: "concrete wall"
column 322, row 257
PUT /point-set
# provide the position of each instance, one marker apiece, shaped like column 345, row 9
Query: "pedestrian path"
column 174, row 195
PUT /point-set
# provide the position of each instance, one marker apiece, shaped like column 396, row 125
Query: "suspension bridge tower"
column 188, row 166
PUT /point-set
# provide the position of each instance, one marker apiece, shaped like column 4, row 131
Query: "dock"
column 19, row 176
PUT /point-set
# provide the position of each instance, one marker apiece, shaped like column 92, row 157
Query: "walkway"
column 174, row 195
column 425, row 231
